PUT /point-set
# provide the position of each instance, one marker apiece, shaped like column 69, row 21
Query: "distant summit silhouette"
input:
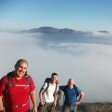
column 66, row 35
column 53, row 30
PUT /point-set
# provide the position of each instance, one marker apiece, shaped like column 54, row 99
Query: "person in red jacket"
column 15, row 89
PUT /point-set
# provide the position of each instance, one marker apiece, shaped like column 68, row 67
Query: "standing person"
column 48, row 94
column 15, row 89
column 71, row 92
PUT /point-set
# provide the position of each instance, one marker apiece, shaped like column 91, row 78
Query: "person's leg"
column 50, row 107
column 53, row 109
column 43, row 108
column 73, row 109
column 66, row 109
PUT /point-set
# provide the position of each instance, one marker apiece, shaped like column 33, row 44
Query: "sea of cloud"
column 89, row 64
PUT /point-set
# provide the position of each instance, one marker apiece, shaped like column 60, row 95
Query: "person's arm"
column 1, row 104
column 33, row 94
column 3, row 82
column 41, row 96
column 81, row 95
column 33, row 99
column 62, row 88
column 42, row 90
column 55, row 97
column 56, row 94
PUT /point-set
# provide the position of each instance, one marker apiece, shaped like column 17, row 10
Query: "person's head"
column 71, row 82
column 21, row 67
column 54, row 77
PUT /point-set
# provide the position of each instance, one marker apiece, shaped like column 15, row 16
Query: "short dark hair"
column 19, row 61
column 54, row 74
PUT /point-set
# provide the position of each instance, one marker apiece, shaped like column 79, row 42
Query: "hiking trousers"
column 69, row 109
column 48, row 107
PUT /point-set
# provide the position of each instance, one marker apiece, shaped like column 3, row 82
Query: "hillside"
column 94, row 107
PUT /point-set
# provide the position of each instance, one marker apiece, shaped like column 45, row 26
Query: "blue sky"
column 76, row 14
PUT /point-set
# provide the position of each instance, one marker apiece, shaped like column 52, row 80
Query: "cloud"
column 89, row 64
column 101, row 34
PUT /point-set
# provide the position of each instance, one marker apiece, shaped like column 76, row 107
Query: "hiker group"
column 17, row 88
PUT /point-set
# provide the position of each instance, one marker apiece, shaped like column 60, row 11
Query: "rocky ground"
column 94, row 107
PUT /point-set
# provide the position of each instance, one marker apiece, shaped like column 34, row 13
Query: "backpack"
column 76, row 90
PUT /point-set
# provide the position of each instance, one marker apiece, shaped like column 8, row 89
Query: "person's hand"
column 77, row 102
column 42, row 103
column 54, row 103
column 34, row 109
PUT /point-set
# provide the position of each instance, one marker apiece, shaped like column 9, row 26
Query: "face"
column 71, row 82
column 54, row 78
column 21, row 69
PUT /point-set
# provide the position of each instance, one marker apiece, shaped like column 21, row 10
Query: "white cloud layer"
column 89, row 64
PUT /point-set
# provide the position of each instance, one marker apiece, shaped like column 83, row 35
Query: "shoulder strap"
column 9, row 75
column 47, row 86
column 28, row 79
column 55, row 92
column 47, row 80
column 56, row 87
column 76, row 90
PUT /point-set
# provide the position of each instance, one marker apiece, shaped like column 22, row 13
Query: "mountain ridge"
column 48, row 29
column 66, row 35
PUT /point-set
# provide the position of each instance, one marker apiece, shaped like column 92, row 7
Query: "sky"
column 76, row 14
column 86, row 57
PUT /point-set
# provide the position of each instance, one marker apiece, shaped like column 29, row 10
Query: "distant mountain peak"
column 69, row 35
column 47, row 27
column 52, row 30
